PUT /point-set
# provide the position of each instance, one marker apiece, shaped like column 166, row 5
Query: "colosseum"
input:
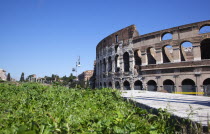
column 171, row 60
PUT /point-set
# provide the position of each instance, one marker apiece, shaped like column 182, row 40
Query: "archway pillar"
column 144, row 58
column 132, row 63
column 196, row 51
column 113, row 64
column 159, row 56
column 176, row 54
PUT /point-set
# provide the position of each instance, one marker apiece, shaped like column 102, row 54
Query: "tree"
column 8, row 77
column 22, row 77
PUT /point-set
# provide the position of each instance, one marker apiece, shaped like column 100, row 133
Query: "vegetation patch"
column 35, row 108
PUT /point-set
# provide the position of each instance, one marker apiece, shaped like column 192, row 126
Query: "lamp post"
column 76, row 68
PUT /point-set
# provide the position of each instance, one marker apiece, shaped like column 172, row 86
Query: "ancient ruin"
column 171, row 60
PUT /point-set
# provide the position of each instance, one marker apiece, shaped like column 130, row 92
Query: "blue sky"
column 45, row 37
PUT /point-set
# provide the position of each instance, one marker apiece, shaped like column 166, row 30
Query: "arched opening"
column 104, row 67
column 151, row 85
column 117, row 68
column 100, row 85
column 126, row 62
column 206, row 87
column 137, row 57
column 205, row 49
column 167, row 36
column 188, row 85
column 110, row 84
column 126, row 85
column 167, row 53
column 110, row 64
column 117, row 85
column 168, row 85
column 116, row 48
column 204, row 29
column 104, row 84
column 186, row 50
column 100, row 67
column 150, row 56
column 138, row 85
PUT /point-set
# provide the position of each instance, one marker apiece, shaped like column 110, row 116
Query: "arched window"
column 168, row 85
column 126, row 62
column 116, row 48
column 138, row 85
column 186, row 50
column 150, row 56
column 117, row 85
column 167, row 53
column 104, row 84
column 204, row 29
column 110, row 84
column 151, row 85
column 126, row 85
column 206, row 87
column 188, row 85
column 104, row 67
column 117, row 68
column 110, row 64
column 205, row 49
column 137, row 57
column 167, row 36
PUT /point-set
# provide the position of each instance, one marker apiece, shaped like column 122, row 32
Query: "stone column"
column 196, row 51
column 159, row 56
column 176, row 54
column 113, row 64
column 131, row 61
column 144, row 58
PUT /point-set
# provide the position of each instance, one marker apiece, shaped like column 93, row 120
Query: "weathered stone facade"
column 127, row 60
column 86, row 75
column 3, row 75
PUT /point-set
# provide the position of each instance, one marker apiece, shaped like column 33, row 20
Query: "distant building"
column 3, row 75
column 86, row 75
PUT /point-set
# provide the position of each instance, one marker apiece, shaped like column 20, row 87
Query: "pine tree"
column 22, row 77
column 8, row 77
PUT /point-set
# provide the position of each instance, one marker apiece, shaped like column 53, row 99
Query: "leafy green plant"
column 35, row 108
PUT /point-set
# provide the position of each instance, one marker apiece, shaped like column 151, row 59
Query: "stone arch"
column 126, row 62
column 151, row 55
column 188, row 85
column 110, row 84
column 138, row 85
column 117, row 85
column 206, row 87
column 186, row 50
column 167, row 52
column 137, row 57
column 166, row 36
column 168, row 85
column 126, row 85
column 205, row 49
column 204, row 29
column 151, row 85
column 117, row 68
column 110, row 64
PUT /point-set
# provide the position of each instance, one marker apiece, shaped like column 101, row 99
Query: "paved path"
column 197, row 108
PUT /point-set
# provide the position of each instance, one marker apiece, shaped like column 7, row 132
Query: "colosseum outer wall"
column 180, row 63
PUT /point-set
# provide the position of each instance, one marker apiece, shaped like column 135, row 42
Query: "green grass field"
column 33, row 108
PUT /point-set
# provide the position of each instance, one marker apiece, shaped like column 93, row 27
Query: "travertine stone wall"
column 160, row 66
